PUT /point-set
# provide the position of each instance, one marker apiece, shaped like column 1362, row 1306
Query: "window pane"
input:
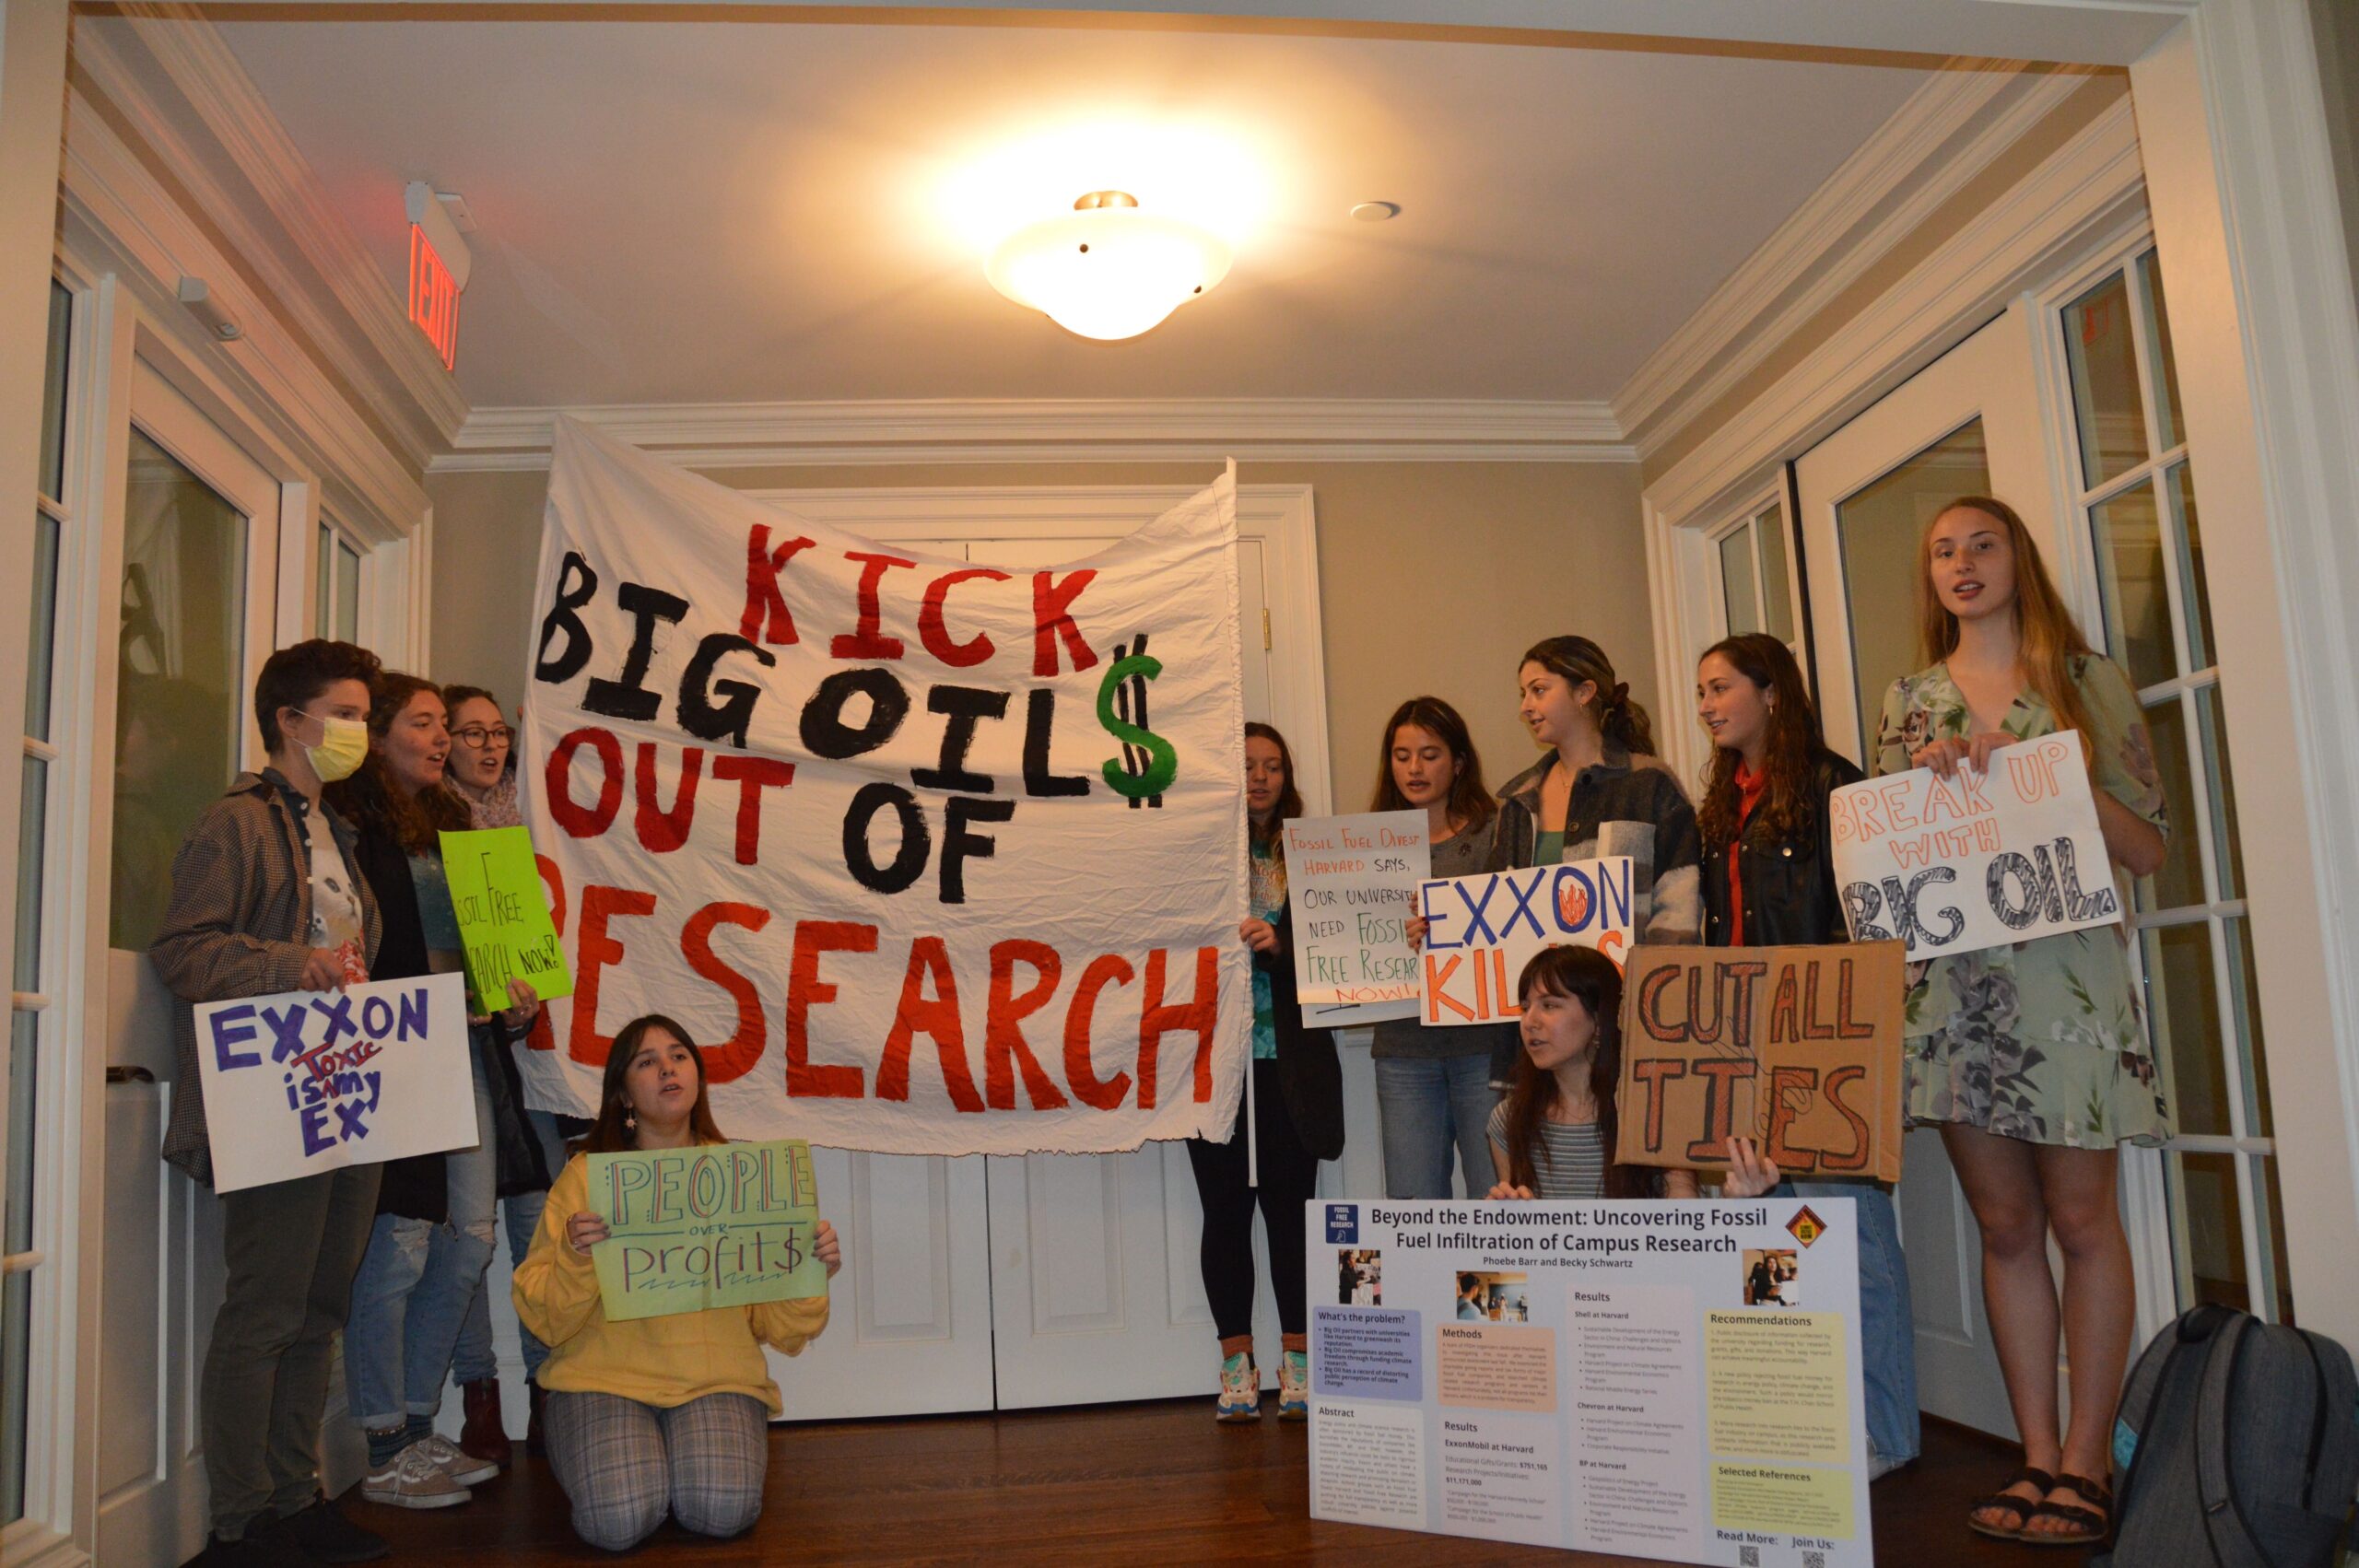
column 52, row 392
column 2183, row 1012
column 15, row 1332
column 2193, row 589
column 2104, row 361
column 32, row 843
column 41, row 645
column 323, row 596
column 2265, row 1174
column 182, row 664
column 1777, row 589
column 1880, row 527
column 2130, row 579
column 2180, row 881
column 2224, row 848
column 1736, row 582
column 2158, row 352
column 2244, row 1016
column 2211, row 1223
column 347, row 593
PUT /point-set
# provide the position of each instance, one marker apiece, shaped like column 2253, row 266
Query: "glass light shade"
column 1109, row 272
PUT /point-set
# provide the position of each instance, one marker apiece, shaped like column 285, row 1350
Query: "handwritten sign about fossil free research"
column 1481, row 931
column 1353, row 881
column 1975, row 860
column 929, row 856
column 724, row 1226
column 313, row 1081
column 503, row 915
column 1796, row 1047
column 1672, row 1381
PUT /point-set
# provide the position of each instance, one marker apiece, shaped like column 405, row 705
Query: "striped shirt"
column 1569, row 1163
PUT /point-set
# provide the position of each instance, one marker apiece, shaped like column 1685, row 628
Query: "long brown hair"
column 1794, row 743
column 608, row 1134
column 372, row 797
column 1289, row 798
column 1577, row 660
column 2048, row 641
column 1588, row 977
column 1470, row 803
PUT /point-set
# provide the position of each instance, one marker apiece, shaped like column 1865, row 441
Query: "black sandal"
column 2021, row 1507
column 2090, row 1526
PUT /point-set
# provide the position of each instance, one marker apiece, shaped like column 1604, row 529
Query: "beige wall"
column 1433, row 577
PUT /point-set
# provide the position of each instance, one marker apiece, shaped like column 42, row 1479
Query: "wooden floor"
column 1139, row 1484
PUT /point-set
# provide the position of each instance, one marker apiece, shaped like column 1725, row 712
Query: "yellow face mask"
column 344, row 746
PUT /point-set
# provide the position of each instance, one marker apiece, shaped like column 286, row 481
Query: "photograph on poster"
column 1498, row 1297
column 1359, row 1278
column 1771, row 1276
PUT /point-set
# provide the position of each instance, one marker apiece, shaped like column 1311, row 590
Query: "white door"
column 197, row 581
column 1966, row 425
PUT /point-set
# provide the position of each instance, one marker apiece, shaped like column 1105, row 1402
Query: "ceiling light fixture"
column 1107, row 270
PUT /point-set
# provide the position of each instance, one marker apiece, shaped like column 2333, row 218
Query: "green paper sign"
column 503, row 916
column 727, row 1224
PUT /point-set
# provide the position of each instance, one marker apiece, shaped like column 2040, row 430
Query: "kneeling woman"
column 659, row 1414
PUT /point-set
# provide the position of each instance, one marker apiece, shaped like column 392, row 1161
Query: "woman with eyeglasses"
column 531, row 1142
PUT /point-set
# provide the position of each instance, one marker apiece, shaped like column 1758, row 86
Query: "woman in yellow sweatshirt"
column 655, row 1415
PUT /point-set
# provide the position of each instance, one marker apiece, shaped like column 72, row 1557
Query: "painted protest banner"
column 1481, row 931
column 1663, row 1381
column 307, row 1082
column 1975, row 860
column 1352, row 881
column 929, row 856
column 720, row 1225
column 503, row 920
column 1796, row 1047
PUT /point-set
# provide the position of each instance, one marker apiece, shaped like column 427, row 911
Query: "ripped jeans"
column 415, row 1288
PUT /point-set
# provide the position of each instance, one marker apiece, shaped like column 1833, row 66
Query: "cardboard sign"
column 1975, row 860
column 1796, row 1047
column 503, row 917
column 1481, row 931
column 314, row 1081
column 1353, row 881
column 689, row 1229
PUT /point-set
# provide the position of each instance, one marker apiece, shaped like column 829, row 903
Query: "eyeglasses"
column 481, row 739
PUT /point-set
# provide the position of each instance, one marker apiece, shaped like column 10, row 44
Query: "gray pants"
column 290, row 1248
column 624, row 1465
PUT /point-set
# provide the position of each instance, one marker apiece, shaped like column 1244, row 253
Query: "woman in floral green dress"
column 2032, row 1058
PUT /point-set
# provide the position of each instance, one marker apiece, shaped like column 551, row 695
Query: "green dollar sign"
column 1163, row 766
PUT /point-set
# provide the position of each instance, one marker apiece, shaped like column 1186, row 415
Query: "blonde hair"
column 2048, row 639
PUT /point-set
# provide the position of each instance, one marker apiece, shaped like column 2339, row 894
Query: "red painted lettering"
column 766, row 618
column 1081, row 1073
column 1052, row 620
column 661, row 831
column 870, row 642
column 593, row 950
column 936, row 1015
column 804, row 991
column 578, row 819
column 936, row 636
column 1198, row 1013
column 1006, row 1050
column 734, row 1057
column 752, row 775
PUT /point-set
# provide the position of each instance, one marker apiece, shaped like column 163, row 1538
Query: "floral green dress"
column 2043, row 1040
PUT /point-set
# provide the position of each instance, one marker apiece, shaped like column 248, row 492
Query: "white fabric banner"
column 929, row 858
column 1979, row 859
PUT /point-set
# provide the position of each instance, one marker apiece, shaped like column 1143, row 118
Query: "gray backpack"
column 2237, row 1446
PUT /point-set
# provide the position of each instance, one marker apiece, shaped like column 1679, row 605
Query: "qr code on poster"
column 1748, row 1557
column 1814, row 1559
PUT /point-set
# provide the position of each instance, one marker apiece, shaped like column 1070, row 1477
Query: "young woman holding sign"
column 1298, row 1119
column 2032, row 1057
column 653, row 1415
column 1769, row 882
column 1433, row 1086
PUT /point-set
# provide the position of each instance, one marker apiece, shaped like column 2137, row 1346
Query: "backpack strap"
column 2318, row 1420
column 2170, row 1346
column 2233, row 1545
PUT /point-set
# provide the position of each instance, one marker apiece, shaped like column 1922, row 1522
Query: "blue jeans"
column 1426, row 1105
column 1887, row 1322
column 475, row 1361
column 415, row 1286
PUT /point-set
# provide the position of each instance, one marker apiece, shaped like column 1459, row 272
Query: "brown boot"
column 534, row 1442
column 484, row 1437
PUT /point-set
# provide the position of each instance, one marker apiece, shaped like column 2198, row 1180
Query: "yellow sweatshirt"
column 662, row 1362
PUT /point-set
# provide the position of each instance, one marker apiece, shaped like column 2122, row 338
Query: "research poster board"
column 1977, row 859
column 1482, row 930
column 1676, row 1380
column 1353, row 883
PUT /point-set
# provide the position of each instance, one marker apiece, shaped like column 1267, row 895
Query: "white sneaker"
column 412, row 1480
column 455, row 1462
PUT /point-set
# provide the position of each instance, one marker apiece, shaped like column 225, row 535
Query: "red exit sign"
column 433, row 297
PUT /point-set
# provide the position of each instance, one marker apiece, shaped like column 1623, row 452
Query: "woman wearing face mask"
column 1433, row 1086
column 432, row 1238
column 2031, row 1058
column 1769, row 882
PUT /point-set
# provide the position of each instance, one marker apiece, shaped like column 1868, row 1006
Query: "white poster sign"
column 929, row 856
column 1353, row 881
column 313, row 1081
column 1482, row 930
column 1977, row 859
column 1675, row 1381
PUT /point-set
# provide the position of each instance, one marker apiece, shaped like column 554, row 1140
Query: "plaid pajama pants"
column 624, row 1465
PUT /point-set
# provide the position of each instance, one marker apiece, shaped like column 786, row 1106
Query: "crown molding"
column 1896, row 180
column 282, row 225
column 937, row 431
